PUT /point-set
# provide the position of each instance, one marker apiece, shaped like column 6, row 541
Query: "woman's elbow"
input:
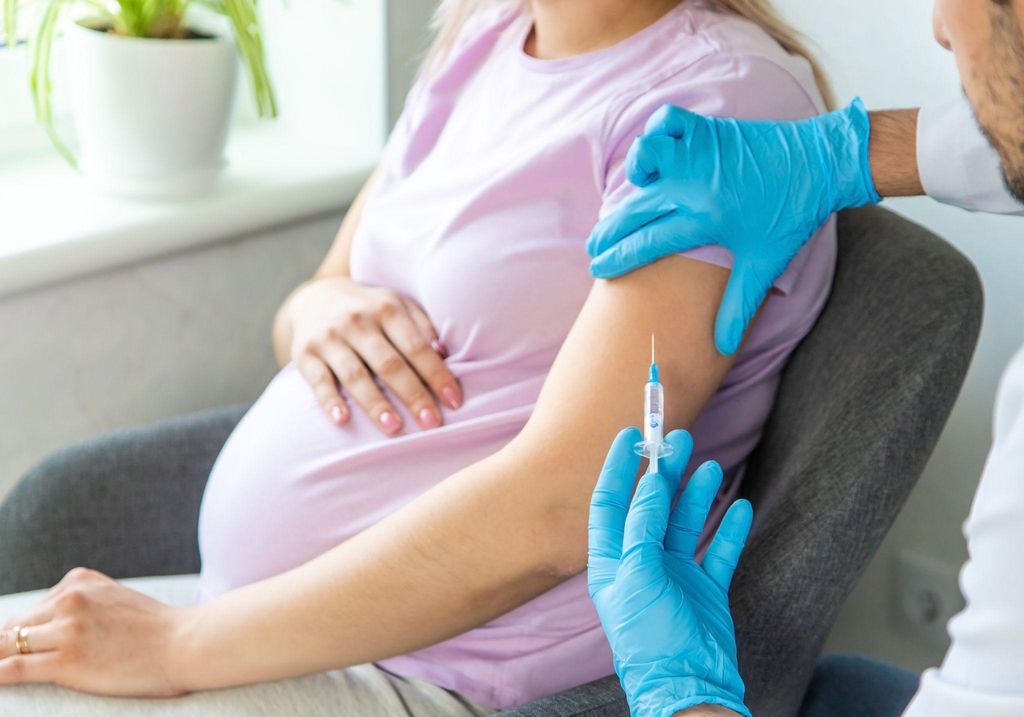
column 566, row 532
column 555, row 525
column 554, row 493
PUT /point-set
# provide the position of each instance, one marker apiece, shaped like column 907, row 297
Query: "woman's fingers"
column 44, row 610
column 356, row 379
column 426, row 326
column 394, row 370
column 40, row 637
column 22, row 669
column 366, row 343
column 724, row 553
column 405, row 336
column 40, row 613
column 63, row 599
column 9, row 641
column 324, row 384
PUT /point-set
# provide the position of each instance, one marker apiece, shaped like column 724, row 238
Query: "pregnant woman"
column 401, row 516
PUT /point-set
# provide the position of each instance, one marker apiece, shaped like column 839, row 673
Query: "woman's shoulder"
column 730, row 67
column 747, row 48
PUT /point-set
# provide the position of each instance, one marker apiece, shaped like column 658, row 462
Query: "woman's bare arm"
column 334, row 264
column 494, row 535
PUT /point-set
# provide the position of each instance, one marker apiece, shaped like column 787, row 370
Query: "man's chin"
column 1014, row 178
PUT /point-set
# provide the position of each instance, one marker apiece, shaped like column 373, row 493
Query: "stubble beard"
column 1001, row 112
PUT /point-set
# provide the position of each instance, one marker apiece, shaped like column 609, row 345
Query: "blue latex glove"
column 666, row 616
column 758, row 188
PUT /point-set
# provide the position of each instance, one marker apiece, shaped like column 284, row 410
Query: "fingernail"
column 439, row 347
column 389, row 422
column 429, row 419
column 336, row 414
column 451, row 396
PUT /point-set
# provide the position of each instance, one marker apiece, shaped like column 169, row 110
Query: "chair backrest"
column 861, row 404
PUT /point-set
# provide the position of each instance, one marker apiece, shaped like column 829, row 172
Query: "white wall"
column 408, row 38
column 328, row 65
column 884, row 51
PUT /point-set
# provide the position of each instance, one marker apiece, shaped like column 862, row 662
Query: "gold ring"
column 21, row 641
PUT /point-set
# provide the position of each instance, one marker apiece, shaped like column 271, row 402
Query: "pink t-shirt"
column 492, row 180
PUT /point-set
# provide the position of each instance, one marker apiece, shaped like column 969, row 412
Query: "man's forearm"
column 893, row 153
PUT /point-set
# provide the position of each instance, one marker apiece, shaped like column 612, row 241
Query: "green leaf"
column 39, row 77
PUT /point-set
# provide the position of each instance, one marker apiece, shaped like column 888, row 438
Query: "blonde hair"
column 451, row 15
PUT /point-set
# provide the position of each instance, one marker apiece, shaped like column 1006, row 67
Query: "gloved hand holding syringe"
column 665, row 612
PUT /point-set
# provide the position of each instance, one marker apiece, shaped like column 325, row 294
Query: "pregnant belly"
column 289, row 485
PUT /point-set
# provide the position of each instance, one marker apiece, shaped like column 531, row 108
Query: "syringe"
column 653, row 446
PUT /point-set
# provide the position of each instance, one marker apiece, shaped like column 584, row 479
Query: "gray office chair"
column 858, row 412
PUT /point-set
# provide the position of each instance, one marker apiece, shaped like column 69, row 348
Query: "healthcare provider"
column 761, row 188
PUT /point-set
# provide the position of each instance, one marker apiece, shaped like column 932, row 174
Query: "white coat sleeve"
column 957, row 164
column 983, row 673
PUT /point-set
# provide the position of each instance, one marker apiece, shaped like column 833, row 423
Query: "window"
column 19, row 133
column 326, row 63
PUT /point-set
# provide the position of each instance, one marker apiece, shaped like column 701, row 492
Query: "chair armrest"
column 600, row 698
column 126, row 504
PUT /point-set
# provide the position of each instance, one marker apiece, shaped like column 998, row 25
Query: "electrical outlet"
column 927, row 595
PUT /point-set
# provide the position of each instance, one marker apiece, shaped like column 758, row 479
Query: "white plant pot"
column 151, row 116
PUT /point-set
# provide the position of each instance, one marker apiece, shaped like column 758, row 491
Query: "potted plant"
column 150, row 92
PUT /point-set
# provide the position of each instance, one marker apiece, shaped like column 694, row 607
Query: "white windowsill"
column 54, row 227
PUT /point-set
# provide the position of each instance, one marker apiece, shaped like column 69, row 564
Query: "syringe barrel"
column 654, row 413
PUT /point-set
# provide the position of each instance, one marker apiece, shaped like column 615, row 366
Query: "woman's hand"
column 344, row 334
column 92, row 634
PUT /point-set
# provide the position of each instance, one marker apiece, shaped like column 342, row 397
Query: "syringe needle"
column 653, row 446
